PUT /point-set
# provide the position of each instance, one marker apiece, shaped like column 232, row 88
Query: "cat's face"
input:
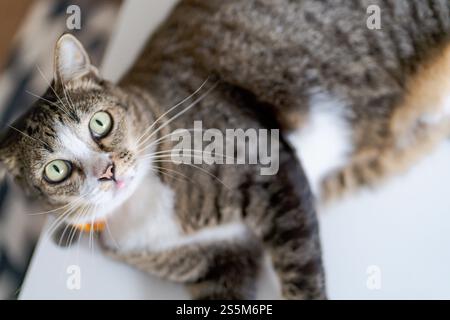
column 78, row 146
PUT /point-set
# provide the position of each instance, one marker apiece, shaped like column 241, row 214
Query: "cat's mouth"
column 115, row 184
column 110, row 180
column 118, row 185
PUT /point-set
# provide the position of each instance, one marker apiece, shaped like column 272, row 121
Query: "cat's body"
column 269, row 64
column 219, row 214
column 286, row 53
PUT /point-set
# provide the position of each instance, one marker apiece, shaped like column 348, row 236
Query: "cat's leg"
column 290, row 232
column 231, row 273
column 217, row 270
column 285, row 220
column 65, row 235
column 296, row 256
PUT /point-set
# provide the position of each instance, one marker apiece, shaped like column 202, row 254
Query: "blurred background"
column 388, row 243
column 28, row 33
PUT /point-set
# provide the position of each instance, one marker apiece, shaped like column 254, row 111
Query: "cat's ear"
column 71, row 60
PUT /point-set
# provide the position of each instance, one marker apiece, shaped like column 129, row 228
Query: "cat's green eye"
column 57, row 170
column 100, row 124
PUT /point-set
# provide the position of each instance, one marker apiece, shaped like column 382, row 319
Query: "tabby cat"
column 95, row 150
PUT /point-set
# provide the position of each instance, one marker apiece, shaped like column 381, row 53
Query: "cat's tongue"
column 120, row 184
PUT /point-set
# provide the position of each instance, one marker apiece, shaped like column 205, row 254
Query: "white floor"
column 388, row 244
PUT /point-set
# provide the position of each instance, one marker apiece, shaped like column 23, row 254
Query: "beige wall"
column 11, row 14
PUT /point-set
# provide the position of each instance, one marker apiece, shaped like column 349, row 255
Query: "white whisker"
column 79, row 216
column 173, row 108
column 199, row 168
column 194, row 152
column 179, row 114
column 59, row 220
column 110, row 234
column 161, row 139
column 49, row 84
column 156, row 170
column 28, row 136
column 48, row 101
column 72, row 206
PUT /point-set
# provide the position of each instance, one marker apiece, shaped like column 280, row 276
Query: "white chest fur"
column 147, row 221
column 325, row 143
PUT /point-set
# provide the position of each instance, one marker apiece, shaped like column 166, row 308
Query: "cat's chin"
column 119, row 195
column 122, row 192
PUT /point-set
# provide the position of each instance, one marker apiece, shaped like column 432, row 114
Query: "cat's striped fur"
column 281, row 50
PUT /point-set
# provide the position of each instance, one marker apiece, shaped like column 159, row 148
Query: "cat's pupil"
column 99, row 122
column 56, row 168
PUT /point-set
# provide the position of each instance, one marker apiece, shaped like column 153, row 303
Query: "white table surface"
column 403, row 228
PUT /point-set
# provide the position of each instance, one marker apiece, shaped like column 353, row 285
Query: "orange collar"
column 97, row 226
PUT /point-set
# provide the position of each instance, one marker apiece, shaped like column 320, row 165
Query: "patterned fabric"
column 26, row 74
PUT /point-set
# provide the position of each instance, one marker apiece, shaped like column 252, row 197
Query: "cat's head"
column 78, row 145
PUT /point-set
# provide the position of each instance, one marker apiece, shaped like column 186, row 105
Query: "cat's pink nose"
column 108, row 174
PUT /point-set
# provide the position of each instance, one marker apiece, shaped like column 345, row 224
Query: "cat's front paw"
column 65, row 235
